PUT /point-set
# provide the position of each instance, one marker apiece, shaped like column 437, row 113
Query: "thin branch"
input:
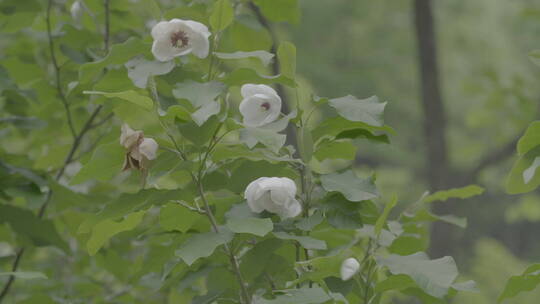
column 59, row 90
column 106, row 35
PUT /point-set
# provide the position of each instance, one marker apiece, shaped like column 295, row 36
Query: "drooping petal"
column 349, row 268
column 129, row 137
column 289, row 185
column 293, row 209
column 148, row 148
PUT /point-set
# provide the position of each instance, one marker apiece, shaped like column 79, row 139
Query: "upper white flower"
column 179, row 37
column 261, row 105
column 273, row 194
column 140, row 150
column 349, row 268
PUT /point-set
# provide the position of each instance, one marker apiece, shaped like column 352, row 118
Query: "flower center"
column 266, row 106
column 179, row 39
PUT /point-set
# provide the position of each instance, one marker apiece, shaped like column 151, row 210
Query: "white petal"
column 293, row 209
column 129, row 137
column 248, row 90
column 163, row 50
column 253, row 112
column 200, row 45
column 198, row 27
column 249, row 195
column 148, row 148
column 289, row 185
column 349, row 268
column 161, row 30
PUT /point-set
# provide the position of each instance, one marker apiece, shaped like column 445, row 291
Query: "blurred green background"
column 490, row 93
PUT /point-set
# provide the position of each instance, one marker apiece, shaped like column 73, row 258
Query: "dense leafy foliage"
column 177, row 228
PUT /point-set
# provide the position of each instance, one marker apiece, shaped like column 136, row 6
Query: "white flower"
column 179, row 37
column 140, row 150
column 349, row 268
column 273, row 194
column 261, row 105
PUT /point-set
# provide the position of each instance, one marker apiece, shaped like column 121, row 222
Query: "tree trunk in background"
column 437, row 166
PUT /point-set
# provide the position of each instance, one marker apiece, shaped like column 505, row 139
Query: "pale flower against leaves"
column 179, row 37
column 273, row 194
column 140, row 150
column 349, row 268
column 260, row 105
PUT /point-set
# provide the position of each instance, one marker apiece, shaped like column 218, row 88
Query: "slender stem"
column 59, row 90
column 107, row 26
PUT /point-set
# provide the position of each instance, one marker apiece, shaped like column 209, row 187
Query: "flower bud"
column 349, row 268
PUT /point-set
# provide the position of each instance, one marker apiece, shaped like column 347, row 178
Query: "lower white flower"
column 261, row 105
column 140, row 150
column 349, row 268
column 179, row 37
column 273, row 194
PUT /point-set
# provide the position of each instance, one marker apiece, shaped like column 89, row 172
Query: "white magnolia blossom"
column 273, row 194
column 261, row 105
column 349, row 268
column 179, row 37
column 140, row 149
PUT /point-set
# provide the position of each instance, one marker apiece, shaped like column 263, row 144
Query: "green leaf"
column 173, row 216
column 287, row 59
column 26, row 275
column 462, row 193
column 119, row 54
column 424, row 215
column 332, row 149
column 355, row 189
column 242, row 76
column 395, row 282
column 140, row 69
column 264, row 56
column 132, row 202
column 252, row 225
column 435, row 277
column 280, row 10
column 530, row 172
column 205, row 112
column 130, row 95
column 105, row 163
column 222, row 15
column 106, row 229
column 271, row 139
column 303, row 295
column 202, row 245
column 382, row 219
column 521, row 178
column 369, row 110
column 528, row 281
column 308, row 223
column 530, row 139
column 198, row 94
column 335, row 126
column 306, row 241
column 199, row 135
column 40, row 232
